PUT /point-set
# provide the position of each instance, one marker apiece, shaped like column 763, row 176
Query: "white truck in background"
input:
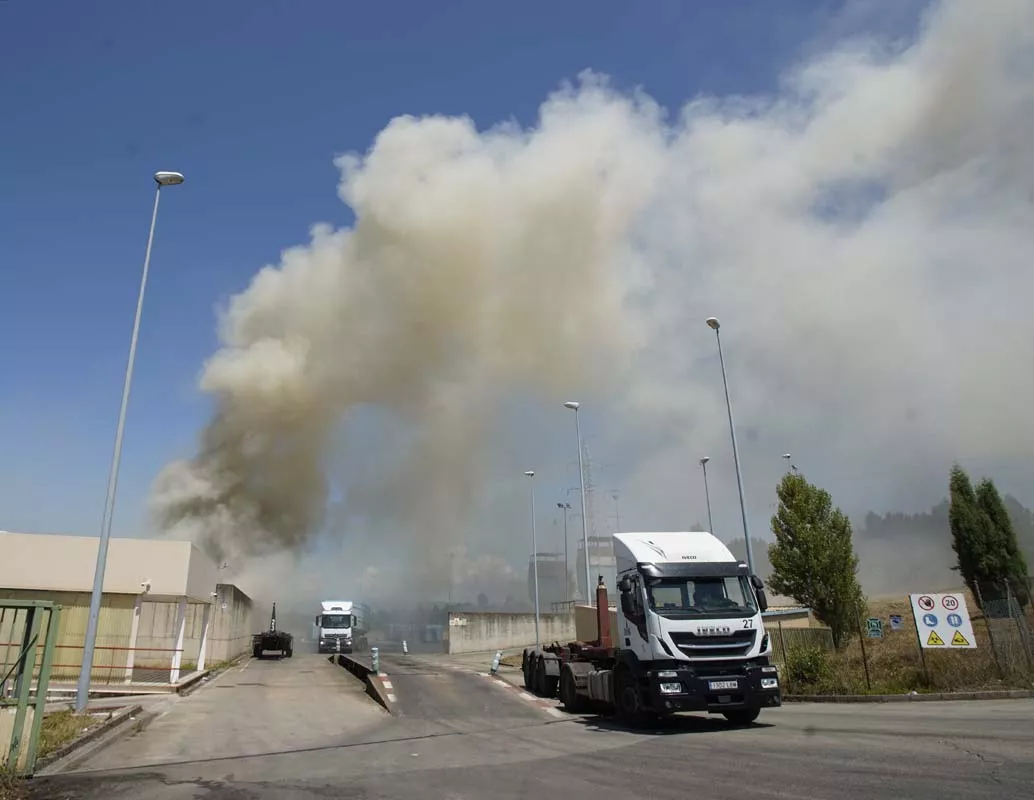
column 340, row 627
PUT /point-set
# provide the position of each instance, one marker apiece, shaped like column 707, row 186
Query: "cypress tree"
column 813, row 558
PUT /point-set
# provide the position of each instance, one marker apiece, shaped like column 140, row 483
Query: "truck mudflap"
column 675, row 690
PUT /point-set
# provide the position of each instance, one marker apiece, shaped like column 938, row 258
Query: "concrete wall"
column 229, row 634
column 66, row 564
column 482, row 631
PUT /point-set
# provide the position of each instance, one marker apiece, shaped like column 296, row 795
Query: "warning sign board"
column 942, row 620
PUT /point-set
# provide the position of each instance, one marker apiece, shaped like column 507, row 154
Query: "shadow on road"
column 667, row 727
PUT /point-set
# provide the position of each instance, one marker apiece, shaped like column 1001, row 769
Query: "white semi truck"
column 340, row 627
column 689, row 637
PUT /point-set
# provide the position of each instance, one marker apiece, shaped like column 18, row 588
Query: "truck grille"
column 738, row 643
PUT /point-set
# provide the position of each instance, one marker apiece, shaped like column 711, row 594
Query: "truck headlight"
column 668, row 673
column 769, row 683
column 671, row 688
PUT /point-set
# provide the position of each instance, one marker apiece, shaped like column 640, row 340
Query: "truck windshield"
column 336, row 620
column 674, row 597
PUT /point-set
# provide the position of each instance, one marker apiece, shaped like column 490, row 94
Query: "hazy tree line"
column 984, row 538
column 899, row 553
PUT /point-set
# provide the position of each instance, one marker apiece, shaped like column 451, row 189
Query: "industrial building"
column 553, row 579
column 601, row 562
column 164, row 613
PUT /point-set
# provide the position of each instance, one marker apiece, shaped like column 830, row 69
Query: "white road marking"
column 387, row 684
column 527, row 697
column 391, row 698
column 556, row 712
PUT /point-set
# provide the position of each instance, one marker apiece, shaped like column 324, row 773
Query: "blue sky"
column 252, row 101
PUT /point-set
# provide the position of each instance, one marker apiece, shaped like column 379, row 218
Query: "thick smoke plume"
column 865, row 234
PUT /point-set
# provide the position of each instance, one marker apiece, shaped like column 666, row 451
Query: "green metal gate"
column 27, row 627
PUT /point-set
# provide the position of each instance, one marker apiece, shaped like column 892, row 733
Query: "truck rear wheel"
column 528, row 668
column 742, row 716
column 545, row 684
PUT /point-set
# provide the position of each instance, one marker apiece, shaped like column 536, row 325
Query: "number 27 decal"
column 748, row 623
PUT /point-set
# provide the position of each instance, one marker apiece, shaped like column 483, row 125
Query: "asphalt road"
column 459, row 735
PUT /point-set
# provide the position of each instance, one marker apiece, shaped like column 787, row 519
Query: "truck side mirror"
column 624, row 585
column 762, row 600
column 626, row 604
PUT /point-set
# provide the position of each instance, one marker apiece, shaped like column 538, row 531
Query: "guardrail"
column 374, row 682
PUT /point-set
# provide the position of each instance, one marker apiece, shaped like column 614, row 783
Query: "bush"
column 808, row 666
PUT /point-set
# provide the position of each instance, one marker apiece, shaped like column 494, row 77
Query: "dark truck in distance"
column 272, row 640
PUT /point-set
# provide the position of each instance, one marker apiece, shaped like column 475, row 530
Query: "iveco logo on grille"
column 714, row 630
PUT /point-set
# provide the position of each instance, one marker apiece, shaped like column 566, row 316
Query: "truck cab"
column 339, row 627
column 690, row 634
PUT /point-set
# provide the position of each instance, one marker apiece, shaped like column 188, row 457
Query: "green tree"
column 972, row 533
column 984, row 539
column 1009, row 558
column 813, row 558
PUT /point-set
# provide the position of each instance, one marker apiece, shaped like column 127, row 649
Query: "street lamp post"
column 714, row 324
column 530, row 474
column 590, row 594
column 83, row 687
column 707, row 494
column 567, row 564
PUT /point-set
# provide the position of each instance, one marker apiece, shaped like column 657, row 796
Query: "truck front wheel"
column 629, row 701
column 742, row 716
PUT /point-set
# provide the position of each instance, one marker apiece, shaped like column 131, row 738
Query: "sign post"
column 865, row 658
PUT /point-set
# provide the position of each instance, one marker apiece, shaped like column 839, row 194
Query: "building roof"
column 160, row 568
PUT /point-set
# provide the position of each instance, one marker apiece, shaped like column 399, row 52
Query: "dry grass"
column 61, row 727
column 11, row 787
column 896, row 665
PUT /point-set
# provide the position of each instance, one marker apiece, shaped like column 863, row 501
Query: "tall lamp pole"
column 707, row 494
column 567, row 564
column 590, row 594
column 530, row 474
column 83, row 687
column 714, row 324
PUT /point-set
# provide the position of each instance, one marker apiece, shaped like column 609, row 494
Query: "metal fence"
column 138, row 642
column 1008, row 619
column 786, row 639
column 33, row 626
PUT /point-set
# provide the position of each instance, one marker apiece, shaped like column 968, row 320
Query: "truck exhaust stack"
column 603, row 615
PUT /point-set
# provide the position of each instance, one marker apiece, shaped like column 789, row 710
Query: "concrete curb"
column 381, row 690
column 377, row 686
column 1003, row 694
column 62, row 757
column 188, row 685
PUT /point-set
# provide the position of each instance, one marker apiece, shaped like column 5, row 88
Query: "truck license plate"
column 715, row 686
